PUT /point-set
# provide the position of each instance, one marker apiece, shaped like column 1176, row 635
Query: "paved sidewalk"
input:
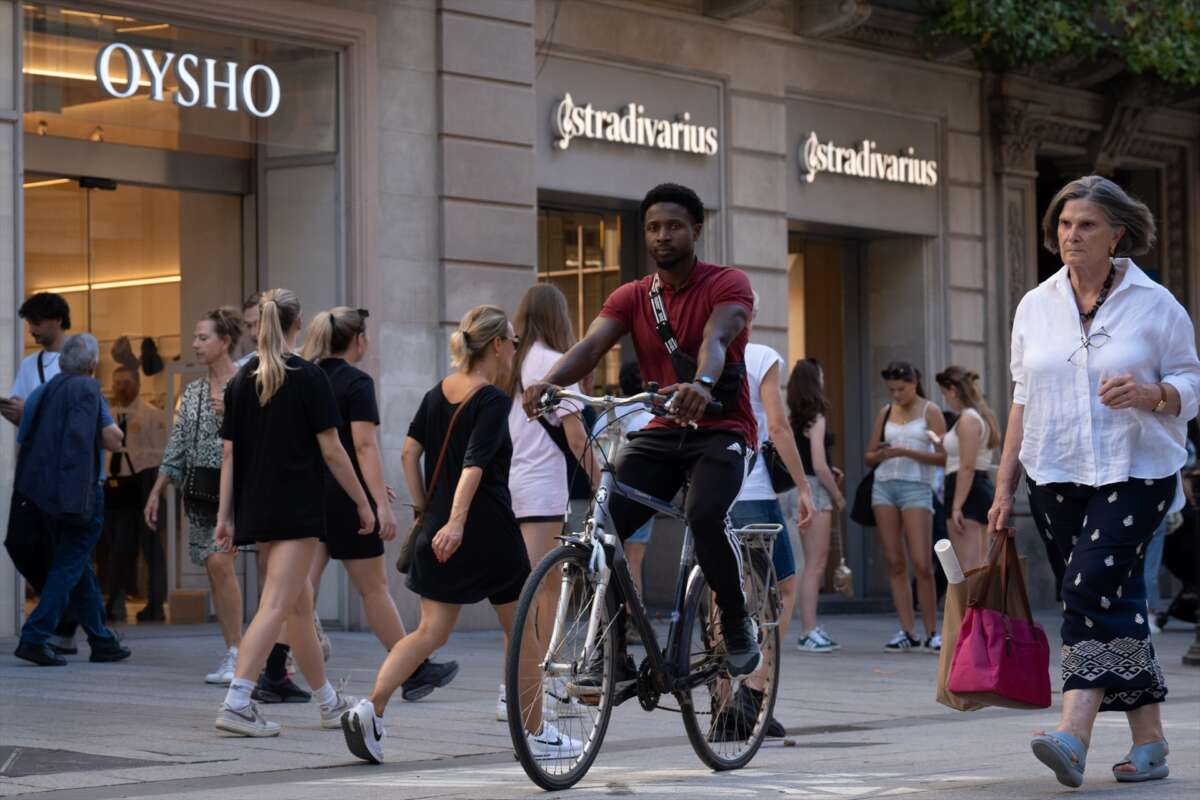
column 862, row 723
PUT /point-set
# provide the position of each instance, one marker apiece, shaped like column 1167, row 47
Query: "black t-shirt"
column 354, row 392
column 804, row 445
column 278, row 470
column 492, row 559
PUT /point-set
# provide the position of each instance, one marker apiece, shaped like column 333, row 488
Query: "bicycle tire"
column 696, row 723
column 568, row 558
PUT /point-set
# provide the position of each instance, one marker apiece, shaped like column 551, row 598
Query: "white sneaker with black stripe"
column 364, row 735
column 814, row 642
column 549, row 743
column 934, row 644
column 902, row 643
column 247, row 721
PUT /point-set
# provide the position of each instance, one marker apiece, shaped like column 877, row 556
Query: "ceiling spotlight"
column 97, row 134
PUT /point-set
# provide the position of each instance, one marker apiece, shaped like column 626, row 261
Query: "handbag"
column 1002, row 657
column 861, row 511
column 201, row 485
column 777, row 471
column 407, row 549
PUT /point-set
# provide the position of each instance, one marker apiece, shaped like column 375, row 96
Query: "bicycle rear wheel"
column 550, row 634
column 726, row 720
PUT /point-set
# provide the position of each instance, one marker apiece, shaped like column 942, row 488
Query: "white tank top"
column 759, row 360
column 912, row 435
column 983, row 456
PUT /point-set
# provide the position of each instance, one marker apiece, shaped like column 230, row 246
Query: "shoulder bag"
column 201, row 485
column 861, row 511
column 781, row 479
column 405, row 559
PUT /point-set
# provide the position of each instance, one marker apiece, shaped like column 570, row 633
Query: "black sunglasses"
column 897, row 374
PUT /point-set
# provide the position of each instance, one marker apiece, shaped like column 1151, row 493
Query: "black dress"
column 491, row 562
column 354, row 391
column 278, row 469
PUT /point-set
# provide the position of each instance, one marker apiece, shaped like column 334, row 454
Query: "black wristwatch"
column 707, row 382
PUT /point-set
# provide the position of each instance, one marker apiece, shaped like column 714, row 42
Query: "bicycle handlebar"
column 658, row 402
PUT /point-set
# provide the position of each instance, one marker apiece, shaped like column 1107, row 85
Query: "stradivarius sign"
column 202, row 81
column 631, row 126
column 865, row 160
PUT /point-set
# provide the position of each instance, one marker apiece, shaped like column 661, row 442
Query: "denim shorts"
column 821, row 499
column 750, row 512
column 902, row 494
column 642, row 534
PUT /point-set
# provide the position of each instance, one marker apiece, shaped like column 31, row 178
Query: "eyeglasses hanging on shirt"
column 1095, row 340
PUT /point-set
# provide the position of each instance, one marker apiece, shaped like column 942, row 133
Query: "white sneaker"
column 934, row 644
column 224, row 673
column 825, row 635
column 331, row 715
column 364, row 736
column 247, row 721
column 549, row 743
column 814, row 642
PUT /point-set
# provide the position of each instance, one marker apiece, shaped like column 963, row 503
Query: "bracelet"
column 1162, row 399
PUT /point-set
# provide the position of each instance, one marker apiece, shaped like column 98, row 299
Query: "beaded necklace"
column 1108, row 282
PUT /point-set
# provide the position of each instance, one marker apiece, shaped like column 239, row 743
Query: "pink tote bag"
column 1002, row 657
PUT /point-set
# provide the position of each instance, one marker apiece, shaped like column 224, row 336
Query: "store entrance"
column 137, row 265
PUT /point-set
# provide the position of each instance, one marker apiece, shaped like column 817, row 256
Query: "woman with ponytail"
column 335, row 342
column 969, row 446
column 280, row 432
column 469, row 546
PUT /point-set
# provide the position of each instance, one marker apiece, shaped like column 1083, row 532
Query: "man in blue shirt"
column 48, row 318
column 63, row 420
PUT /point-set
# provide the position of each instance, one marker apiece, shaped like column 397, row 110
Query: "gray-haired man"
column 64, row 426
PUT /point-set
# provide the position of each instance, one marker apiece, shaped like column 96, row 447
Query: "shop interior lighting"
column 161, row 26
column 126, row 284
column 44, row 72
column 47, row 182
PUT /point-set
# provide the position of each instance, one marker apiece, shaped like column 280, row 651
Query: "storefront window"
column 71, row 92
column 580, row 253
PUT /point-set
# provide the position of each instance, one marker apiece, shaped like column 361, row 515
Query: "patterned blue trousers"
column 1101, row 533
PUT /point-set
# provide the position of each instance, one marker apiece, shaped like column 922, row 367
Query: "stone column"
column 1017, row 128
column 12, row 589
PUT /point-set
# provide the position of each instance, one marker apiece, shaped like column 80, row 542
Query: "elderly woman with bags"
column 1105, row 378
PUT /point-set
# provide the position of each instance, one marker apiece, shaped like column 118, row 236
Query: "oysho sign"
column 865, row 161
column 632, row 126
column 201, row 80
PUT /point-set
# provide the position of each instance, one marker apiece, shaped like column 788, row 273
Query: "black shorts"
column 979, row 497
column 542, row 518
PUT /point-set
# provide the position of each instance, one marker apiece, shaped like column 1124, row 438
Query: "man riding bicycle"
column 688, row 321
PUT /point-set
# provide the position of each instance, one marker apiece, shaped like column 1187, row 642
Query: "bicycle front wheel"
column 549, row 669
column 726, row 720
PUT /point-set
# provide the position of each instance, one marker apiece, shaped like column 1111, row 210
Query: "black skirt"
column 979, row 498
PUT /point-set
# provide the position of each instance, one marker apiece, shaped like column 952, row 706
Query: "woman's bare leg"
column 369, row 576
column 530, row 676
column 918, row 534
column 891, row 535
column 437, row 621
column 285, row 586
column 227, row 595
column 814, row 542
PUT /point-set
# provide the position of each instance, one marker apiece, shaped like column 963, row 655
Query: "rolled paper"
column 950, row 565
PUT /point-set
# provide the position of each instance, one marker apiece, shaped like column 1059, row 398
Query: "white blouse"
column 914, row 436
column 1070, row 437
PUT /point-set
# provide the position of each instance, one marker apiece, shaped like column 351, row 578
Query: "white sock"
column 233, row 650
column 326, row 696
column 238, row 696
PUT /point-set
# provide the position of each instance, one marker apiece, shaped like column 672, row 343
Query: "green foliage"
column 1152, row 37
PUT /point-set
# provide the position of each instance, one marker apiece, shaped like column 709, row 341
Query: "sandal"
column 1149, row 759
column 1064, row 753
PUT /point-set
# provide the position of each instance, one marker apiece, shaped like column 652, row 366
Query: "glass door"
column 137, row 265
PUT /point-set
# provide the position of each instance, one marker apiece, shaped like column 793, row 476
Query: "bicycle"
column 567, row 602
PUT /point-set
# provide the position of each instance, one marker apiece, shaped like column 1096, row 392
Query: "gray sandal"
column 1150, row 760
column 1064, row 753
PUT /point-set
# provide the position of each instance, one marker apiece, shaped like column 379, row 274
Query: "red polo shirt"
column 688, row 309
